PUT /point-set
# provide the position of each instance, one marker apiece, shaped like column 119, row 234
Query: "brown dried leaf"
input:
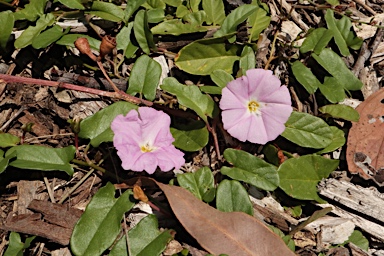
column 232, row 233
column 365, row 150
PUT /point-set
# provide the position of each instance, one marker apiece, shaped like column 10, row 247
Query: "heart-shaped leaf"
column 99, row 225
column 299, row 176
column 250, row 169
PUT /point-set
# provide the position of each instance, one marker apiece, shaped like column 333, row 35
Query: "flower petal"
column 275, row 116
column 281, row 96
column 229, row 100
column 262, row 83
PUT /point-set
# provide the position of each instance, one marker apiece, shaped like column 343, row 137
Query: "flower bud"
column 75, row 124
column 108, row 43
column 82, row 45
column 27, row 127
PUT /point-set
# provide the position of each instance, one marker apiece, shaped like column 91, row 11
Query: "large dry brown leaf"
column 365, row 151
column 232, row 233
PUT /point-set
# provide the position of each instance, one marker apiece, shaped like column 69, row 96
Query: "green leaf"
column 198, row 183
column 307, row 131
column 324, row 41
column 146, row 239
column 143, row 35
column 107, row 11
column 174, row 3
column 154, row 4
column 305, row 77
column 341, row 111
column 247, row 59
column 4, row 161
column 69, row 40
column 100, row 224
column 332, row 89
column 190, row 138
column 344, row 26
column 299, row 176
column 237, row 16
column 191, row 97
column 177, row 27
column 210, row 89
column 16, row 246
column 221, row 78
column 31, row 11
column 215, row 11
column 120, row 248
column 196, row 18
column 250, row 169
column 258, row 21
column 7, row 21
column 194, row 5
column 204, row 56
column 131, row 7
column 358, row 239
column 8, row 140
column 145, row 77
column 31, row 32
column 340, row 42
column 48, row 37
column 123, row 41
column 333, row 2
column 231, row 196
column 155, row 15
column 42, row 158
column 97, row 127
column 338, row 140
column 73, row 4
column 312, row 40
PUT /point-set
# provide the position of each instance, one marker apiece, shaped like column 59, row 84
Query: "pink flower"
column 143, row 141
column 255, row 107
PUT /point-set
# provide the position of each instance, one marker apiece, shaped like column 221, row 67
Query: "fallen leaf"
column 232, row 233
column 365, row 148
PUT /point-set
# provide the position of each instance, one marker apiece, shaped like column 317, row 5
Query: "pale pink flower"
column 255, row 107
column 143, row 141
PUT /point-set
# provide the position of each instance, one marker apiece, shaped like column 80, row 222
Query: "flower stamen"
column 147, row 148
column 253, row 106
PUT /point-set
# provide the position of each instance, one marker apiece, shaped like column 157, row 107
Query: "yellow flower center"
column 147, row 148
column 253, row 106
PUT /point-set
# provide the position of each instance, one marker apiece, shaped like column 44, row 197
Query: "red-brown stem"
column 212, row 130
column 107, row 77
column 119, row 95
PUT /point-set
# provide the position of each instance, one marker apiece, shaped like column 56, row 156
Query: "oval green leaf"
column 237, row 16
column 47, row 37
column 250, row 169
column 190, row 139
column 73, row 4
column 231, row 196
column 8, row 140
column 333, row 63
column 7, row 21
column 215, row 11
column 107, row 11
column 100, row 224
column 204, row 56
column 307, row 131
column 305, row 77
column 258, row 21
column 97, row 127
column 299, row 176
column 142, row 33
column 145, row 77
column 341, row 111
column 338, row 140
column 41, row 158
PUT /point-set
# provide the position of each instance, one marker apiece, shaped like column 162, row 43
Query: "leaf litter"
column 216, row 232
